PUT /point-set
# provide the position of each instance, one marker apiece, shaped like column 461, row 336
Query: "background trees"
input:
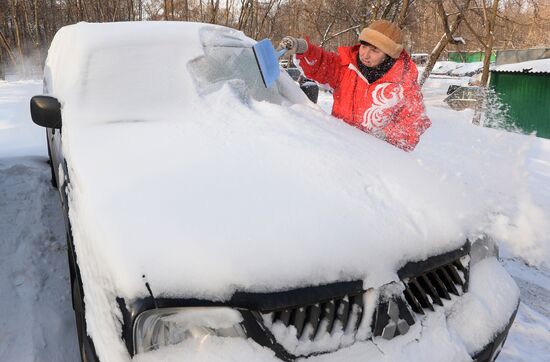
column 28, row 26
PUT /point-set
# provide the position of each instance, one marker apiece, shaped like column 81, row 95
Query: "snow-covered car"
column 308, row 86
column 210, row 218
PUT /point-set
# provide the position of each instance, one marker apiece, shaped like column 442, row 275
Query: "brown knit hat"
column 384, row 35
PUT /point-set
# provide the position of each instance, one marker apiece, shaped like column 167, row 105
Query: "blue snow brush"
column 268, row 61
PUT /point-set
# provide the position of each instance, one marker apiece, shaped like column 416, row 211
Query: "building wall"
column 521, row 55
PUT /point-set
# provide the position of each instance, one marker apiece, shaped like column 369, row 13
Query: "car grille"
column 436, row 285
column 313, row 322
column 333, row 323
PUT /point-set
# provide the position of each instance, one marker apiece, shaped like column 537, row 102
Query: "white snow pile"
column 531, row 66
column 19, row 138
column 467, row 69
column 444, row 67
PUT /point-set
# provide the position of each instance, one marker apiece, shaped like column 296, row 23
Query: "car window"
column 294, row 73
column 228, row 61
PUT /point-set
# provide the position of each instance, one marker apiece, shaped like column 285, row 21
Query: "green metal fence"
column 528, row 98
column 468, row 57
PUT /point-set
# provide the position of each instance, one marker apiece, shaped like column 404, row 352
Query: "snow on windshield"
column 152, row 71
column 230, row 60
column 124, row 71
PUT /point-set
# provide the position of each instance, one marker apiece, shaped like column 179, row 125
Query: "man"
column 374, row 82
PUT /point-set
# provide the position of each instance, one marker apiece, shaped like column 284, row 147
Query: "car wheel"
column 85, row 343
column 50, row 161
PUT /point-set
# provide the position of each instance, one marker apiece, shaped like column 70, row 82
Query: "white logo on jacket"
column 375, row 118
column 310, row 62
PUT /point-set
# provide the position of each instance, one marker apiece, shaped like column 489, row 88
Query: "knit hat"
column 384, row 35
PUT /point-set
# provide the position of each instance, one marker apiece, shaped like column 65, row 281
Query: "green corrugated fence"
column 528, row 98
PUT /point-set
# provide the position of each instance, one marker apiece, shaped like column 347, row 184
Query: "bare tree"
column 28, row 26
column 446, row 38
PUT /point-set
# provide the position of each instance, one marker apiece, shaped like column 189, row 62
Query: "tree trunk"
column 39, row 38
column 18, row 44
column 227, row 12
column 403, row 13
column 2, row 71
column 6, row 46
column 489, row 42
column 131, row 11
column 186, row 4
column 214, row 6
column 436, row 52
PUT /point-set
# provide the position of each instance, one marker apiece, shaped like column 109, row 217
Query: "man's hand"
column 293, row 45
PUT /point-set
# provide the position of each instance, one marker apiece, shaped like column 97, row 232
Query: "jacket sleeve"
column 410, row 122
column 320, row 65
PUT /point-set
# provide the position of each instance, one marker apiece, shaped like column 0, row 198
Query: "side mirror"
column 46, row 111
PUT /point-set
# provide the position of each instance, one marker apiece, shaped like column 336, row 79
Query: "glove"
column 294, row 45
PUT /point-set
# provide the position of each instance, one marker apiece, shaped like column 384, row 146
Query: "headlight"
column 482, row 248
column 162, row 327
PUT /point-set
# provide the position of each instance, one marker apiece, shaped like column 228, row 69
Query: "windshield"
column 231, row 60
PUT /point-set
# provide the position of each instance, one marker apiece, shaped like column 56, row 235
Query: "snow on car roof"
column 531, row 66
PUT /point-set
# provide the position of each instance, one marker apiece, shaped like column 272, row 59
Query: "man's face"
column 370, row 55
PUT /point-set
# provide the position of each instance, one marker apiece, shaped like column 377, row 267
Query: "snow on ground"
column 37, row 321
column 17, row 137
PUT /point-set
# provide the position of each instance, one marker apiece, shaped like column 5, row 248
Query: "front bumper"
column 473, row 325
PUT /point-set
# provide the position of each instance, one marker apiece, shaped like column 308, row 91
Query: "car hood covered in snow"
column 201, row 195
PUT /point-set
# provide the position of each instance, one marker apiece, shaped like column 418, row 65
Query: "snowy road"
column 37, row 323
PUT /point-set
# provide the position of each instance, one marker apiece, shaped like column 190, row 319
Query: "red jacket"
column 391, row 108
